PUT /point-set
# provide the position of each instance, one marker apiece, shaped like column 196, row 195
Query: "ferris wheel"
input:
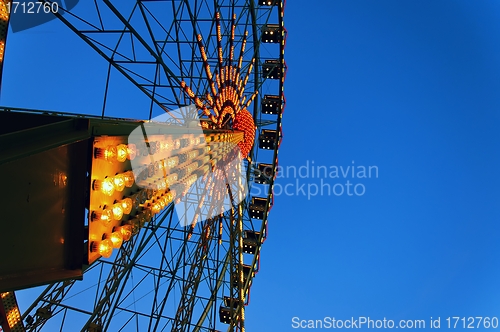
column 172, row 243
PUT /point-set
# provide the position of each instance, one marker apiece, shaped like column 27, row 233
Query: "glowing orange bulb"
column 167, row 198
column 126, row 231
column 107, row 186
column 105, row 216
column 104, row 247
column 108, row 153
column 128, row 178
column 121, row 153
column 127, row 205
column 119, row 182
column 117, row 211
column 116, row 239
column 156, row 207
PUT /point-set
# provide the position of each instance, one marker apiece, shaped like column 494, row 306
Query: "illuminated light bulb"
column 103, row 248
column 121, row 153
column 126, row 232
column 131, row 151
column 105, row 186
column 117, row 211
column 162, row 203
column 105, row 216
column 176, row 144
column 166, row 199
column 156, row 207
column 109, row 153
column 168, row 145
column 161, row 165
column 127, row 205
column 129, row 178
column 193, row 154
column 194, row 141
column 172, row 162
column 162, row 185
column 116, row 239
column 119, row 182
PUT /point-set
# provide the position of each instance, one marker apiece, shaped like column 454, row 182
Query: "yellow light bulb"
column 109, row 153
column 105, row 248
column 121, row 152
column 162, row 185
column 162, row 203
column 126, row 231
column 162, row 168
column 116, row 239
column 105, row 216
column 119, row 182
column 129, row 178
column 156, row 207
column 177, row 144
column 117, row 211
column 127, row 205
column 106, row 186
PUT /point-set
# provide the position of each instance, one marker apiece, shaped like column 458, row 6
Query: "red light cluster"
column 244, row 121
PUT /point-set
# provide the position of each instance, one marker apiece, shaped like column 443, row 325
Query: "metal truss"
column 183, row 275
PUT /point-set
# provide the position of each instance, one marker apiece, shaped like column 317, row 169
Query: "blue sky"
column 410, row 87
